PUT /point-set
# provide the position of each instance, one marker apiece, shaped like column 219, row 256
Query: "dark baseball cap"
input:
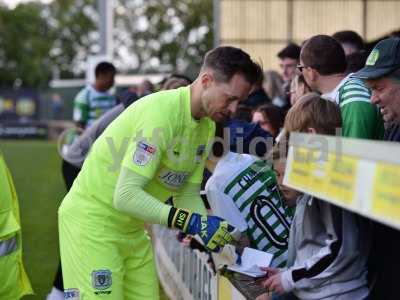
column 383, row 60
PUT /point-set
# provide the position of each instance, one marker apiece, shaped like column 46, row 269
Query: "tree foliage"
column 39, row 40
column 23, row 48
column 166, row 35
column 75, row 34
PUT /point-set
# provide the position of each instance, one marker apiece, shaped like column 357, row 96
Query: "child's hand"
column 270, row 271
column 274, row 284
column 184, row 238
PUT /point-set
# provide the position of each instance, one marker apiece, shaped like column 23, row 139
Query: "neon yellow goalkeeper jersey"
column 155, row 137
column 13, row 278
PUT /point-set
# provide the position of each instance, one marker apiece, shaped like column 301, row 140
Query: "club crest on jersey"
column 144, row 153
column 71, row 294
column 101, row 279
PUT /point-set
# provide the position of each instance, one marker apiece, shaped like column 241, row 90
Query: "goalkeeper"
column 155, row 149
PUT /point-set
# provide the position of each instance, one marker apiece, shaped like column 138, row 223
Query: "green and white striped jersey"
column 360, row 118
column 90, row 104
column 244, row 191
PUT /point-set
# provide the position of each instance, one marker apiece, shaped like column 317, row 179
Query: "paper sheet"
column 252, row 260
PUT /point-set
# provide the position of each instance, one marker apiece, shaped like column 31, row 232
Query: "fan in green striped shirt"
column 94, row 100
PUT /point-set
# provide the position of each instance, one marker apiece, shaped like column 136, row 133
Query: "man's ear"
column 311, row 130
column 206, row 78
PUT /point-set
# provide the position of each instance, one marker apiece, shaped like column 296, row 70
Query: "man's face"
column 107, row 80
column 288, row 67
column 386, row 95
column 297, row 90
column 220, row 99
column 309, row 76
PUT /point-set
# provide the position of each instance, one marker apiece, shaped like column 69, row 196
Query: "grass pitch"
column 36, row 170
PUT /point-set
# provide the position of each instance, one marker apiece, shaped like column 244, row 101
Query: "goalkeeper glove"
column 213, row 231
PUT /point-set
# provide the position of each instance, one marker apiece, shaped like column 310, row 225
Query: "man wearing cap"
column 382, row 75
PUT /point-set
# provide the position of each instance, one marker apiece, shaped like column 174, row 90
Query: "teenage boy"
column 328, row 246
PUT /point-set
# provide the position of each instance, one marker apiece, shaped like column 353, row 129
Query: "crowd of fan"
column 325, row 252
column 320, row 251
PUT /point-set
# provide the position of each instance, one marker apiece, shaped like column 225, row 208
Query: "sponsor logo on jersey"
column 274, row 234
column 144, row 153
column 71, row 294
column 181, row 219
column 173, row 179
column 101, row 279
column 204, row 227
column 146, row 147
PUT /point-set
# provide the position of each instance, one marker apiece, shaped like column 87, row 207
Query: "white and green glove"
column 213, row 231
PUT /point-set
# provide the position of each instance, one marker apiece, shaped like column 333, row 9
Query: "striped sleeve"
column 359, row 116
column 354, row 91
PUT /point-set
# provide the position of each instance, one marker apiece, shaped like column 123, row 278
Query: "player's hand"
column 213, row 231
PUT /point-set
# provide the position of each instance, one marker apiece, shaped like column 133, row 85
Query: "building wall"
column 263, row 27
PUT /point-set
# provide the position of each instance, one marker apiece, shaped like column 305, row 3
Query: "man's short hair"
column 324, row 54
column 274, row 114
column 227, row 61
column 104, row 68
column 311, row 111
column 290, row 51
column 349, row 37
column 356, row 61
